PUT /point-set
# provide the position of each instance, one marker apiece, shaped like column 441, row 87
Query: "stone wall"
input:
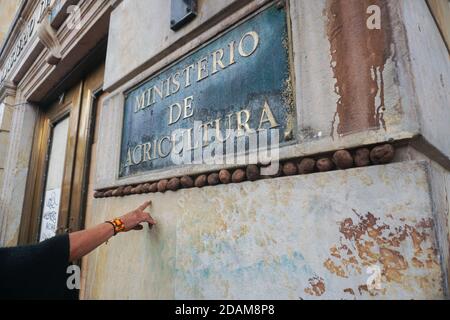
column 8, row 9
column 303, row 237
column 309, row 236
column 322, row 235
column 5, row 125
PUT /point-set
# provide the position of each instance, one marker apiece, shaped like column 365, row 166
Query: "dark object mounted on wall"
column 182, row 12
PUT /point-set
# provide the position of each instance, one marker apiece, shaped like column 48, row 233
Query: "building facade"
column 105, row 104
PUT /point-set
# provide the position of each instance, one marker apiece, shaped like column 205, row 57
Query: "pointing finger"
column 150, row 220
column 145, row 205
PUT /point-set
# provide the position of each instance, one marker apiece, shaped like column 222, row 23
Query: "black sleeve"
column 37, row 271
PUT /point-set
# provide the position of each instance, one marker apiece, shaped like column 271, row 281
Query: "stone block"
column 4, row 146
column 5, row 117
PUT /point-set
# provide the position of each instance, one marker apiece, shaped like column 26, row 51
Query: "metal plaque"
column 236, row 85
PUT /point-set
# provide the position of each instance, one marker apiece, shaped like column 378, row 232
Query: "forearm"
column 83, row 242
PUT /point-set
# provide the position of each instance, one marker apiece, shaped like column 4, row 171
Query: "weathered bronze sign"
column 239, row 81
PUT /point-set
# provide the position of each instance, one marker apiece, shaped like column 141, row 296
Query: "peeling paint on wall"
column 317, row 287
column 390, row 243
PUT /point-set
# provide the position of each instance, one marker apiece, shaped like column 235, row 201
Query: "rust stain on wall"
column 358, row 58
column 317, row 287
column 390, row 243
column 336, row 269
column 393, row 263
column 350, row 291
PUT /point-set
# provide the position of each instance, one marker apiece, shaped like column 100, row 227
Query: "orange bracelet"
column 117, row 224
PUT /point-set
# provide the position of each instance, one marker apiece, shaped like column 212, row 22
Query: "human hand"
column 133, row 219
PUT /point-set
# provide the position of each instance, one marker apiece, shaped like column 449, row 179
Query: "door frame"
column 78, row 104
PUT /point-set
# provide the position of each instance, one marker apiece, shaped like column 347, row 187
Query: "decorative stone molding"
column 47, row 36
column 339, row 160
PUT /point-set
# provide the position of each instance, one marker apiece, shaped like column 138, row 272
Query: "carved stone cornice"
column 32, row 78
column 19, row 35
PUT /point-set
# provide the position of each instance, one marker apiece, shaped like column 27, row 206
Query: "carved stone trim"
column 339, row 160
column 93, row 13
